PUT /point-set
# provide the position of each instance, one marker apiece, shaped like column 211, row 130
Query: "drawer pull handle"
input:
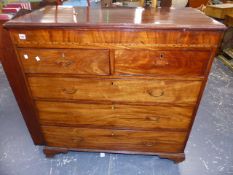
column 155, row 92
column 69, row 91
column 65, row 63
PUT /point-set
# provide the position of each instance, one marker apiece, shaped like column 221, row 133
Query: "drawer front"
column 72, row 38
column 141, row 62
column 114, row 116
column 74, row 61
column 126, row 90
column 119, row 140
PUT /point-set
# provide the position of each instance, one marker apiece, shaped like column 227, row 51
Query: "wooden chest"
column 111, row 80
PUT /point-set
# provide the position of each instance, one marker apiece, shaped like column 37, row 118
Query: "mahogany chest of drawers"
column 111, row 80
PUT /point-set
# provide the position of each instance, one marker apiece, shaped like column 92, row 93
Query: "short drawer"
column 118, row 140
column 160, row 62
column 114, row 116
column 73, row 61
column 126, row 90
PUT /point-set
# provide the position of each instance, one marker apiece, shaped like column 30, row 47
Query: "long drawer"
column 73, row 61
column 125, row 90
column 118, row 140
column 161, row 62
column 114, row 116
column 72, row 38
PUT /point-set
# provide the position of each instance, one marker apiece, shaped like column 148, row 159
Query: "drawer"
column 125, row 90
column 119, row 140
column 72, row 38
column 169, row 63
column 73, row 61
column 114, row 116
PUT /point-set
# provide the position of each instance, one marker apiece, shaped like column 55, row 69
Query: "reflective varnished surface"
column 161, row 18
column 208, row 152
column 161, row 32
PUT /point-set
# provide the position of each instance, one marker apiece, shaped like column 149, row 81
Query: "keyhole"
column 161, row 56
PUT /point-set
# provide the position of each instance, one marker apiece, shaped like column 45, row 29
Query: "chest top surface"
column 121, row 18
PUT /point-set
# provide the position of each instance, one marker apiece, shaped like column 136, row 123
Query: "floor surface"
column 209, row 150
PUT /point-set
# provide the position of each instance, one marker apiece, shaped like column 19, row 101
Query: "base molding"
column 50, row 152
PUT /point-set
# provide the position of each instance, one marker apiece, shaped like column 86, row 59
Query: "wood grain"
column 129, row 90
column 161, row 62
column 74, row 37
column 114, row 116
column 103, row 139
column 72, row 61
column 111, row 80
column 213, row 53
column 18, row 83
column 117, row 18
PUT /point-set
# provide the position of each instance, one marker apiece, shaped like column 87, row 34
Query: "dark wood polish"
column 117, row 18
column 111, row 80
column 50, row 152
column 75, row 61
column 19, row 87
column 161, row 62
column 1, row 39
column 116, row 116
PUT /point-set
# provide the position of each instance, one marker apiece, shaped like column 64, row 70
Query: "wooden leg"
column 51, row 152
column 177, row 158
